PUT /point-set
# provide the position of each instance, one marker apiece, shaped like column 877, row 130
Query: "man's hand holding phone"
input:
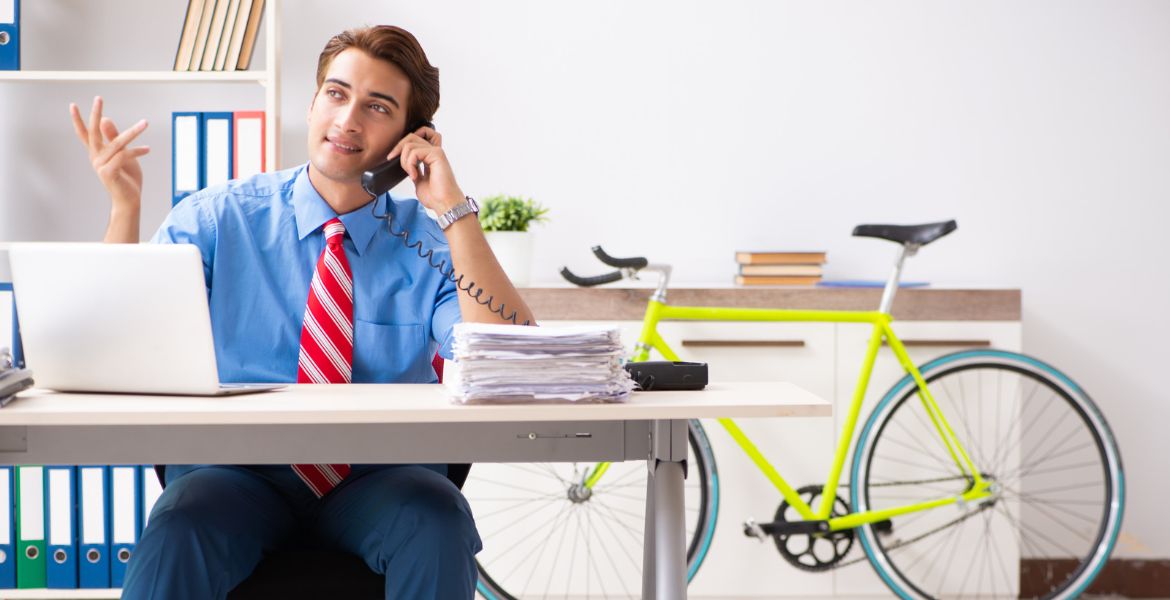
column 426, row 164
column 116, row 165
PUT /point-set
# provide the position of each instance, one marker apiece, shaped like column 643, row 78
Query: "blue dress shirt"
column 260, row 239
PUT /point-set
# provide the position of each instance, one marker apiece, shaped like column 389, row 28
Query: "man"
column 306, row 285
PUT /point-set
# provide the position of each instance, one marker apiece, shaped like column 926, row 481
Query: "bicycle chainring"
column 815, row 552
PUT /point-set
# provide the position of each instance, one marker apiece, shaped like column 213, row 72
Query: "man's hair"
column 398, row 46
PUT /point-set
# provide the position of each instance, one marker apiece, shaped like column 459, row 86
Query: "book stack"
column 779, row 268
column 513, row 364
column 219, row 35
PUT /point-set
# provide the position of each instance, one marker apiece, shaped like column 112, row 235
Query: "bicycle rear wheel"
column 543, row 534
column 1058, row 486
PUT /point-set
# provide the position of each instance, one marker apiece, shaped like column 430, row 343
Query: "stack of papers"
column 508, row 364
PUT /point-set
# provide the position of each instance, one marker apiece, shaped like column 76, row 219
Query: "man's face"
column 357, row 116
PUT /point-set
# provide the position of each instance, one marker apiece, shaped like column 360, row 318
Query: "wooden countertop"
column 911, row 304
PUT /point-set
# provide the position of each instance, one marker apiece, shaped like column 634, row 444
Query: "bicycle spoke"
column 511, row 525
column 538, row 549
column 556, row 556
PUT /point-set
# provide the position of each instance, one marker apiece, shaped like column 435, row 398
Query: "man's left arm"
column 471, row 256
column 474, row 259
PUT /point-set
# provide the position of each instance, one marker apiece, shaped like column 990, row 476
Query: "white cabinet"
column 799, row 448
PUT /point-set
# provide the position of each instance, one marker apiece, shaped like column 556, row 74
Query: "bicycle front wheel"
column 545, row 535
column 1056, row 479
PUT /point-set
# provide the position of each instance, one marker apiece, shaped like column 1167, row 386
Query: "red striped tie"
column 327, row 339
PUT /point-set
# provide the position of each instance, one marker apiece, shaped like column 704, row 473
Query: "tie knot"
column 334, row 231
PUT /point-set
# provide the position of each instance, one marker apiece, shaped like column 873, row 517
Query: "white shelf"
column 59, row 594
column 260, row 77
column 268, row 78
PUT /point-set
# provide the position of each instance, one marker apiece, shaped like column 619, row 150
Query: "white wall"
column 687, row 130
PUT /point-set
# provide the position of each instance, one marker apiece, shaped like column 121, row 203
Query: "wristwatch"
column 467, row 207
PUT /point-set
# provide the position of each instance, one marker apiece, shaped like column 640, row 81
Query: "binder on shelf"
column 9, row 35
column 214, row 35
column 8, row 321
column 187, row 37
column 250, row 33
column 151, row 490
column 7, row 534
column 186, row 154
column 236, row 43
column 225, row 40
column 60, row 528
column 217, row 148
column 30, row 527
column 93, row 539
column 201, row 35
column 125, row 483
column 248, row 153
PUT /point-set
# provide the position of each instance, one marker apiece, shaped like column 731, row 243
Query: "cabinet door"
column 924, row 340
column 799, row 448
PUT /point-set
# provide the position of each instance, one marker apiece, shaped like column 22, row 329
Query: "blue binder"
column 17, row 351
column 186, row 154
column 60, row 526
column 9, row 35
column 7, row 525
column 217, row 148
column 125, row 483
column 93, row 526
column 151, row 490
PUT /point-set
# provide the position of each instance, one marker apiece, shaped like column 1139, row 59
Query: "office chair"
column 313, row 573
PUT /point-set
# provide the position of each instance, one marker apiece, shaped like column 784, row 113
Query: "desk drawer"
column 349, row 443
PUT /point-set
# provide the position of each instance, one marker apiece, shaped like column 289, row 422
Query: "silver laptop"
column 126, row 318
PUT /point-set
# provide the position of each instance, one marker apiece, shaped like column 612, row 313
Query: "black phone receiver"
column 382, row 178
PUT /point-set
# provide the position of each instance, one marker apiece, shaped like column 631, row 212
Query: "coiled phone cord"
column 448, row 271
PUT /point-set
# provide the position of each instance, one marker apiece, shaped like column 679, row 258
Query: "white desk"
column 398, row 423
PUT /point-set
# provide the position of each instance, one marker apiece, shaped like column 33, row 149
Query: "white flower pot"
column 514, row 251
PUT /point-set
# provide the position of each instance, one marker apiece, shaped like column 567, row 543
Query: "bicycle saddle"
column 920, row 235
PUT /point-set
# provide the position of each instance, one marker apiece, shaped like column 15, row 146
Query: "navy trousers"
column 213, row 523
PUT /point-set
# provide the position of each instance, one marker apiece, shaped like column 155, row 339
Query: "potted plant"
column 505, row 221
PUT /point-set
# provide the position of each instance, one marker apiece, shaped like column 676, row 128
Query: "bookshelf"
column 268, row 78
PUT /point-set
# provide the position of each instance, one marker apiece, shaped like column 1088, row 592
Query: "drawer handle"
column 744, row 343
column 946, row 343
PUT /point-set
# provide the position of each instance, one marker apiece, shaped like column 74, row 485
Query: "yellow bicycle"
column 974, row 468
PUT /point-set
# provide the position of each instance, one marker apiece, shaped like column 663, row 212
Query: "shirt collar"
column 312, row 212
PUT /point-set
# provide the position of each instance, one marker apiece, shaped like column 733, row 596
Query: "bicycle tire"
column 545, row 483
column 1025, row 509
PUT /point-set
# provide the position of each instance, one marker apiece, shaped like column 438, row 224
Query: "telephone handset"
column 383, row 178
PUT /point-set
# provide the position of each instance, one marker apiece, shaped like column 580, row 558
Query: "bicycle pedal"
column 753, row 530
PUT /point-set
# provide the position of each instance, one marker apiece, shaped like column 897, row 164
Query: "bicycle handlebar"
column 621, row 263
column 590, row 281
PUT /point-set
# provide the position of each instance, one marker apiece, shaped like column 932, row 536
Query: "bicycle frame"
column 650, row 339
column 658, row 310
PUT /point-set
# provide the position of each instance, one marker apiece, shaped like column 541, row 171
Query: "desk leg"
column 664, row 558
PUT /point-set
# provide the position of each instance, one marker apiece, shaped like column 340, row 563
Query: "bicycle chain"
column 924, row 535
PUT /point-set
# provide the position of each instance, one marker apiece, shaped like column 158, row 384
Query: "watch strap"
column 467, row 207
